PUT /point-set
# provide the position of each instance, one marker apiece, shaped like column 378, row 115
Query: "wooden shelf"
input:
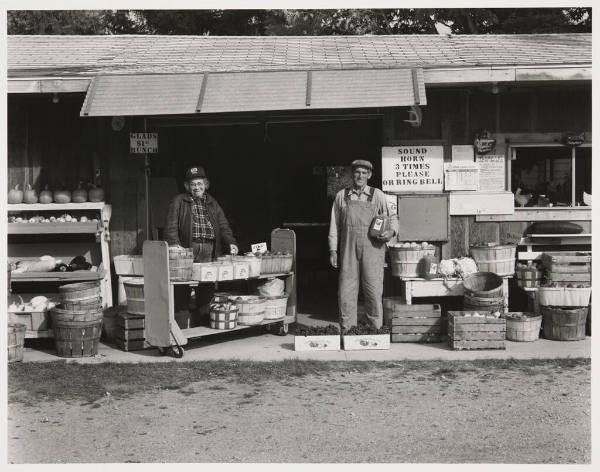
column 205, row 331
column 77, row 276
column 53, row 228
column 261, row 276
column 554, row 236
column 55, row 206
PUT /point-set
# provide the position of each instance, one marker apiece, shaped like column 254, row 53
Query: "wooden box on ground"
column 475, row 332
column 130, row 321
column 366, row 341
column 417, row 323
column 129, row 331
column 130, row 345
column 317, row 343
column 568, row 266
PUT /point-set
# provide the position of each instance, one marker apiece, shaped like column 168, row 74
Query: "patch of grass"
column 29, row 383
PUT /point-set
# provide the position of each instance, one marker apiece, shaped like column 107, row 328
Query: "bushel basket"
column 76, row 333
column 497, row 259
column 483, row 285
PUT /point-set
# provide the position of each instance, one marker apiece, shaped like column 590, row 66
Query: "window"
column 543, row 176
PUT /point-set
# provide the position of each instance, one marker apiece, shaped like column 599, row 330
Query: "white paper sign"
column 412, row 168
column 461, row 176
column 392, row 204
column 143, row 143
column 491, row 172
column 259, row 247
column 462, row 152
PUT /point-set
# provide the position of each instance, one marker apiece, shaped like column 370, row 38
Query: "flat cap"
column 195, row 172
column 362, row 163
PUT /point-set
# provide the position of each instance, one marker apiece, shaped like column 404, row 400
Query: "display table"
column 452, row 287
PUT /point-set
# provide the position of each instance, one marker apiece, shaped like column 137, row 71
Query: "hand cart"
column 163, row 332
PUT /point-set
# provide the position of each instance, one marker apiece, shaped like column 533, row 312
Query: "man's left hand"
column 386, row 235
column 233, row 249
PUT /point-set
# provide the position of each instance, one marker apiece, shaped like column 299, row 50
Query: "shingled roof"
column 35, row 56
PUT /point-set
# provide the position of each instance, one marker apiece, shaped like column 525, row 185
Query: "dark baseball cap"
column 195, row 172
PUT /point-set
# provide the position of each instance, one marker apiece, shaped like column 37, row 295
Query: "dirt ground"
column 299, row 411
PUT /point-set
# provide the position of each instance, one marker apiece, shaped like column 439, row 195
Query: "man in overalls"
column 359, row 257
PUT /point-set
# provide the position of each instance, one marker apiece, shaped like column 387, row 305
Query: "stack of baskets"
column 483, row 292
column 77, row 320
column 564, row 301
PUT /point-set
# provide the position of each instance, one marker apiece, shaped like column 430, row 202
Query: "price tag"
column 259, row 247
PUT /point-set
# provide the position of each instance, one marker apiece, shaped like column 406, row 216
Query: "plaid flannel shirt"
column 201, row 225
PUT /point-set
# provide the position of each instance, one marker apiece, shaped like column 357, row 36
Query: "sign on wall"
column 462, row 152
column 461, row 176
column 491, row 172
column 412, row 168
column 143, row 143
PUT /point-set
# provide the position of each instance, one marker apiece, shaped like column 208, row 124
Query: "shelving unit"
column 29, row 241
column 162, row 331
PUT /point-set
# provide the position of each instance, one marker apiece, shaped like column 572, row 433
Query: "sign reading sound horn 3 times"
column 143, row 143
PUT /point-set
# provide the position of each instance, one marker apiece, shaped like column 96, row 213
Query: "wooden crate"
column 568, row 266
column 417, row 323
column 130, row 345
column 129, row 334
column 471, row 332
column 130, row 321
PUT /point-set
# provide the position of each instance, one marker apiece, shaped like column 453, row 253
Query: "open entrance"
column 271, row 174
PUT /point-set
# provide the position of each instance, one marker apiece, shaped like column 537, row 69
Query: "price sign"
column 143, row 143
column 259, row 247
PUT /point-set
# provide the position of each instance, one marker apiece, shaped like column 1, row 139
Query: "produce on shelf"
column 39, row 303
column 80, row 195
column 46, row 196
column 30, row 195
column 457, row 267
column 62, row 196
column 476, row 314
column 95, row 194
column 15, row 196
column 44, row 264
column 303, row 330
column 79, row 263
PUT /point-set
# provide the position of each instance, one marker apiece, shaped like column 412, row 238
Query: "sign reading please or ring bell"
column 412, row 168
column 143, row 143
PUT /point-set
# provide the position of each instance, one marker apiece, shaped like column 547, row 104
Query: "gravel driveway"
column 300, row 411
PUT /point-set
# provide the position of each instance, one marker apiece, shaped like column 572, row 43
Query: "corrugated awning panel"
column 164, row 94
column 254, row 91
column 367, row 88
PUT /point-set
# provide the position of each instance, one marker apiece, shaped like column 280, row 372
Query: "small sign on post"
column 143, row 143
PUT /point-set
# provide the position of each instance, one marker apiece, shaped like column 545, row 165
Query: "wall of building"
column 452, row 116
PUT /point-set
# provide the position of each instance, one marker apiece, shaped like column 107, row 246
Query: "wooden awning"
column 222, row 92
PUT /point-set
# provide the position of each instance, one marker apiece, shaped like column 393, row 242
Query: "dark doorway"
column 267, row 175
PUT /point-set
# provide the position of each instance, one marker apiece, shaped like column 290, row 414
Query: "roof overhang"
column 431, row 77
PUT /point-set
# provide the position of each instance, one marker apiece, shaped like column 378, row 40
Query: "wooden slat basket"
column 523, row 327
column 499, row 259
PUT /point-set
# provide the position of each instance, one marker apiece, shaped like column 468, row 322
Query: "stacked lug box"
column 466, row 331
column 129, row 332
column 416, row 323
column 573, row 267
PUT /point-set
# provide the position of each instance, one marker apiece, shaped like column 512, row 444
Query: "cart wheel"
column 177, row 351
column 283, row 329
column 161, row 350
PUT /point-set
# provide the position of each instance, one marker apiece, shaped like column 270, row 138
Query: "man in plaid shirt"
column 195, row 220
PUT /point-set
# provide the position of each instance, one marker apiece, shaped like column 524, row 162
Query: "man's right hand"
column 333, row 259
